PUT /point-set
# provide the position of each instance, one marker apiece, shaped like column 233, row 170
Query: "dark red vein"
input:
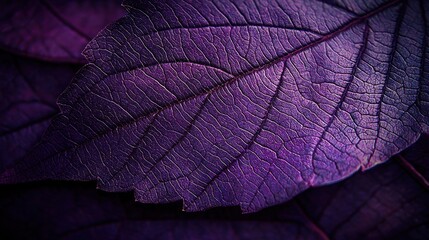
column 344, row 94
column 252, row 140
column 133, row 151
column 398, row 26
column 183, row 136
column 413, row 171
column 310, row 222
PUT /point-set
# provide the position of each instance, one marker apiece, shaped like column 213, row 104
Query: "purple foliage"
column 217, row 111
column 233, row 105
column 28, row 90
column 54, row 30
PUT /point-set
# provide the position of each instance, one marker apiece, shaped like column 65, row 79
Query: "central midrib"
column 154, row 111
column 229, row 81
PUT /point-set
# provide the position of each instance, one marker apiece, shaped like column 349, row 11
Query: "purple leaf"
column 55, row 30
column 238, row 103
column 28, row 90
column 383, row 203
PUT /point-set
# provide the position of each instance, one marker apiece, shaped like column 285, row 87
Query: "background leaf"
column 54, row 30
column 28, row 90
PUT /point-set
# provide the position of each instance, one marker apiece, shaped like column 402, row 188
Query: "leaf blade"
column 226, row 134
